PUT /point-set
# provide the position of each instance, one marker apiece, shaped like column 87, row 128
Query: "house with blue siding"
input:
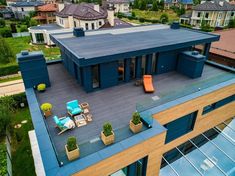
column 190, row 111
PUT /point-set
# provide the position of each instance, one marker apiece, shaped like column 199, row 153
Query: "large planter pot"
column 135, row 128
column 72, row 155
column 47, row 113
column 107, row 140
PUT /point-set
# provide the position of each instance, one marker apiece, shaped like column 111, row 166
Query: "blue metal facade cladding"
column 33, row 68
column 80, row 58
column 191, row 64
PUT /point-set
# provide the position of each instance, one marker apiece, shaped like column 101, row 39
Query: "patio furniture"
column 63, row 123
column 80, row 120
column 148, row 83
column 85, row 105
column 73, row 108
column 87, row 114
column 138, row 82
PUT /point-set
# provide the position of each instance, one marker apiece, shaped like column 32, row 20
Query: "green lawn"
column 155, row 15
column 22, row 160
column 23, row 43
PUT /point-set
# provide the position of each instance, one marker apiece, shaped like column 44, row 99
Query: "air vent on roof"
column 175, row 25
column 78, row 32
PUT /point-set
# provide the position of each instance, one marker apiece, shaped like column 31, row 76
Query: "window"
column 39, row 38
column 86, row 26
column 22, row 9
column 95, row 75
column 100, row 23
column 75, row 25
column 92, row 26
column 207, row 15
column 121, row 70
column 61, row 21
column 180, row 126
column 220, row 15
column 232, row 14
column 218, row 104
column 198, row 14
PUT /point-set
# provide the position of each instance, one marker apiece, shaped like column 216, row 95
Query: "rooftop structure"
column 22, row 9
column 45, row 14
column 215, row 5
column 191, row 96
column 83, row 11
column 216, row 13
column 187, row 4
column 27, row 4
column 223, row 51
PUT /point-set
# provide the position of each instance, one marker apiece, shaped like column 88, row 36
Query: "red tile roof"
column 47, row 8
column 226, row 45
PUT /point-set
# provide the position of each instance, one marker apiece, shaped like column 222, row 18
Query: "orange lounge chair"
column 148, row 83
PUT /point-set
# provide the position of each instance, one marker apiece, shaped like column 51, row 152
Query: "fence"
column 8, row 153
column 20, row 34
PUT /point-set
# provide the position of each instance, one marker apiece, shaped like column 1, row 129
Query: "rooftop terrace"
column 116, row 104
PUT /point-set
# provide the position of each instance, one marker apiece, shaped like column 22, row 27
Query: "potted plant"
column 46, row 108
column 135, row 123
column 107, row 135
column 41, row 87
column 72, row 149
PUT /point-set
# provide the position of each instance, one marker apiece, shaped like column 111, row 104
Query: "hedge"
column 8, row 69
column 17, row 100
column 5, row 32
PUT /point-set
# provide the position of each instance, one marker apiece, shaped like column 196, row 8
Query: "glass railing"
column 181, row 91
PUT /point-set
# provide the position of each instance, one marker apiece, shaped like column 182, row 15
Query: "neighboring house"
column 122, row 6
column 86, row 15
column 187, row 122
column 23, row 8
column 6, row 13
column 40, row 34
column 223, row 51
column 46, row 13
column 187, row 4
column 216, row 13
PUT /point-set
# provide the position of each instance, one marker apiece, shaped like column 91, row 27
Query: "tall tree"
column 6, row 55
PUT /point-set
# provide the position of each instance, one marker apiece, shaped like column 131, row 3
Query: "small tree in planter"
column 41, row 87
column 135, row 123
column 46, row 108
column 72, row 149
column 107, row 135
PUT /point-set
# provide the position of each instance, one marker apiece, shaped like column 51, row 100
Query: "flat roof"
column 226, row 45
column 109, row 45
column 47, row 27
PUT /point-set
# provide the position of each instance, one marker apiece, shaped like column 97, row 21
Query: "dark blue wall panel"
column 33, row 69
column 138, row 63
column 87, row 78
column 108, row 74
column 148, row 64
column 166, row 62
column 127, row 69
